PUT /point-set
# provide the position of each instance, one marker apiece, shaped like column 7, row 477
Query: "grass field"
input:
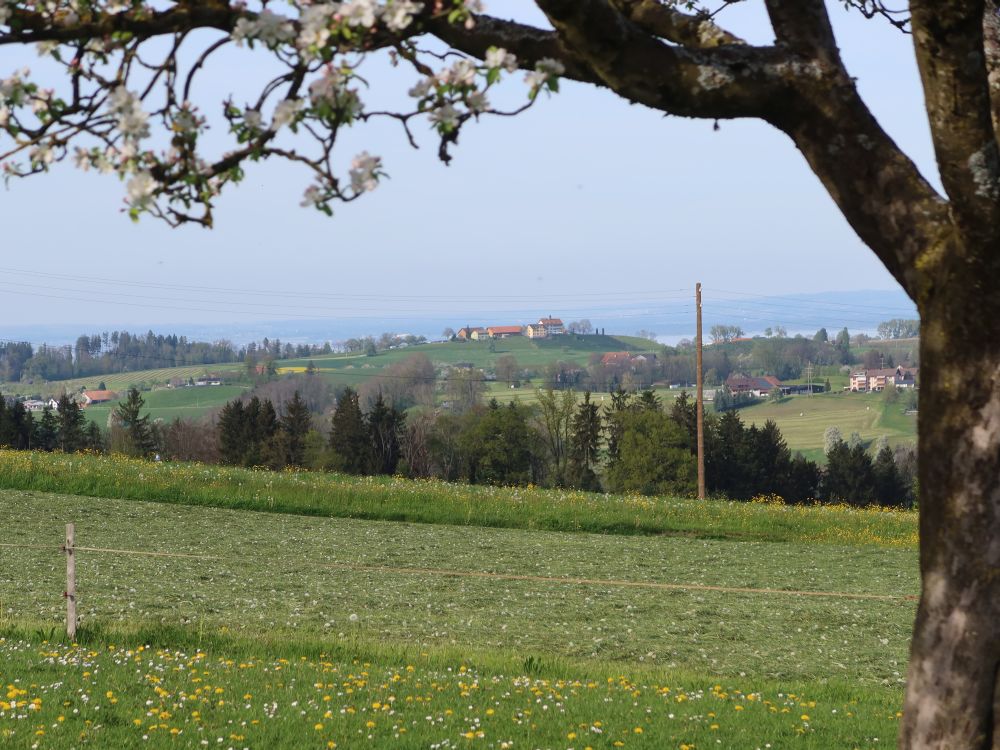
column 301, row 632
column 430, row 501
column 166, row 404
column 803, row 419
column 119, row 382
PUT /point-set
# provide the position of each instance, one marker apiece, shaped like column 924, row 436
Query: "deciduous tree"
column 941, row 246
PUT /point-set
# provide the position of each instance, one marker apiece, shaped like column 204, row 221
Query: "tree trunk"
column 953, row 695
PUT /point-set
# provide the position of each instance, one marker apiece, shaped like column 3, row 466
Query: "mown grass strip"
column 432, row 501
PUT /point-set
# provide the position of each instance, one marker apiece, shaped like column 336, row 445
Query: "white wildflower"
column 140, row 189
column 285, row 112
column 364, row 173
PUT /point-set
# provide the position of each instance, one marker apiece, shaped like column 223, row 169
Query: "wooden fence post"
column 70, row 583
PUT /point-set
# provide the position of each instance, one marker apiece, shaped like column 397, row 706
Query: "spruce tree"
column 71, row 430
column 232, row 433
column 385, row 425
column 7, row 433
column 890, row 489
column 349, row 443
column 295, row 424
column 128, row 414
column 585, row 442
column 47, row 432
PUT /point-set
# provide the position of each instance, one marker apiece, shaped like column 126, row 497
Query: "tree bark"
column 953, row 695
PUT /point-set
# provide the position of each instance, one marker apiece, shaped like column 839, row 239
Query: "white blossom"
column 545, row 69
column 271, row 28
column 477, row 102
column 398, row 14
column 5, row 13
column 285, row 112
column 133, row 122
column 498, row 57
column 364, row 168
column 252, row 119
column 359, row 12
column 462, row 73
column 445, row 115
column 325, row 90
column 312, row 196
column 314, row 24
column 81, row 158
column 475, row 6
column 422, row 88
column 140, row 189
column 4, row 116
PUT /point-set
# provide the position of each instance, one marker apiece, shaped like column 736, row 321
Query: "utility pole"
column 700, row 401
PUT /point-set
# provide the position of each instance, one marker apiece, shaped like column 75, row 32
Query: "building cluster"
column 544, row 328
column 877, row 380
column 85, row 399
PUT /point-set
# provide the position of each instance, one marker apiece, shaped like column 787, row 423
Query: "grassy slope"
column 804, row 419
column 117, row 381
column 267, row 623
column 384, row 498
column 179, row 402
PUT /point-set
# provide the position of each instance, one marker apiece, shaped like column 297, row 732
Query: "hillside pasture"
column 119, row 382
column 170, row 403
column 804, row 419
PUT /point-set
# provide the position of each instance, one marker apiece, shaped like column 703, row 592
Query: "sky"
column 584, row 203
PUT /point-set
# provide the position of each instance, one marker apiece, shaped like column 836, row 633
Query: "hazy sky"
column 583, row 201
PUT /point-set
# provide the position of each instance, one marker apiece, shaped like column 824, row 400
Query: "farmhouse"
column 755, row 386
column 877, row 380
column 552, row 326
column 88, row 398
column 469, row 332
column 33, row 404
column 535, row 331
column 503, row 332
column 616, row 358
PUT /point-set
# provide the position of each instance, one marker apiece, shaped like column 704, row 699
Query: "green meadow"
column 283, row 630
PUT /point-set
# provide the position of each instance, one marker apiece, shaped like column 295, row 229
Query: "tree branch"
column 804, row 27
column 949, row 45
column 698, row 31
column 32, row 26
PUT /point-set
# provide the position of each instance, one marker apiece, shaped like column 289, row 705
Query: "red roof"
column 504, row 329
column 98, row 396
column 550, row 322
column 613, row 358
